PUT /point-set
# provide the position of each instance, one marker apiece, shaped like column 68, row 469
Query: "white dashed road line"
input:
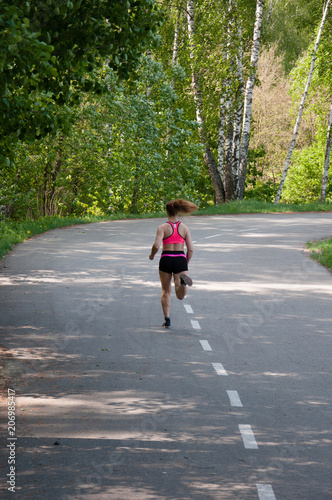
column 265, row 492
column 219, row 369
column 206, row 346
column 248, row 437
column 234, row 398
column 188, row 308
column 213, row 236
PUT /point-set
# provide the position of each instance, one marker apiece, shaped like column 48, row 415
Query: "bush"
column 263, row 191
column 303, row 182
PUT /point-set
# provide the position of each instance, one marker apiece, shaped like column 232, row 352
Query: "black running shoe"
column 167, row 323
column 185, row 280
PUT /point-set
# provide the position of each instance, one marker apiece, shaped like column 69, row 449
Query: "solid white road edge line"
column 206, row 346
column 265, row 492
column 248, row 437
column 234, row 398
column 219, row 369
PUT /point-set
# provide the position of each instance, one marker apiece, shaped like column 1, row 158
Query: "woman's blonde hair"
column 174, row 207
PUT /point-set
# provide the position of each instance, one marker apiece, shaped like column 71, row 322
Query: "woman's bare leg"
column 180, row 290
column 166, row 292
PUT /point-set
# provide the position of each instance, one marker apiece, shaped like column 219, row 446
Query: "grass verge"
column 12, row 232
column 263, row 207
column 321, row 251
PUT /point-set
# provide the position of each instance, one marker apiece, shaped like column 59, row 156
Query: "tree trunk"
column 174, row 61
column 45, row 192
column 208, row 157
column 176, row 41
column 50, row 177
column 248, row 99
column 148, row 88
column 304, row 96
column 55, row 172
column 135, row 193
column 228, row 178
column 236, row 140
column 327, row 158
column 231, row 108
column 270, row 12
column 221, row 134
column 237, row 117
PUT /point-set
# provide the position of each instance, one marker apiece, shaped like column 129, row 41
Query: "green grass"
column 264, row 207
column 321, row 251
column 12, row 232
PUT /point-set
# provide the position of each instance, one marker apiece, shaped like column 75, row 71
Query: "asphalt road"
column 232, row 403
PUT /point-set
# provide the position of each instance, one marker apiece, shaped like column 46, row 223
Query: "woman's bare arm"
column 157, row 242
column 189, row 244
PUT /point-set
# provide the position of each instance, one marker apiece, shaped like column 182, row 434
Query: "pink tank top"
column 175, row 236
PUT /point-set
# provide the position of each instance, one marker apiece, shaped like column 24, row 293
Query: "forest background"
column 112, row 106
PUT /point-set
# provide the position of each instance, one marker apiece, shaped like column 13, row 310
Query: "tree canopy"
column 119, row 93
column 51, row 48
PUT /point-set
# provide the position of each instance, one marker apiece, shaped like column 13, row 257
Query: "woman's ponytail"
column 175, row 207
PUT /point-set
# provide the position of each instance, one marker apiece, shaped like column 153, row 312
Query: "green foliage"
column 49, row 53
column 254, row 172
column 303, row 182
column 256, row 186
column 212, row 20
column 129, row 150
column 153, row 151
column 264, row 191
column 107, row 144
column 293, row 27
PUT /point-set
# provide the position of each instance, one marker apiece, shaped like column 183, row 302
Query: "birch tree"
column 245, row 136
column 304, row 96
column 327, row 158
column 208, row 156
column 231, row 106
column 217, row 60
column 237, row 116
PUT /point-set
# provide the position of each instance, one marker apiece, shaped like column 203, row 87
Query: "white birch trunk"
column 238, row 117
column 174, row 62
column 176, row 41
column 223, row 107
column 208, row 157
column 229, row 108
column 304, row 96
column 270, row 11
column 248, row 99
column 221, row 134
column 148, row 88
column 228, row 181
column 194, row 77
column 327, row 158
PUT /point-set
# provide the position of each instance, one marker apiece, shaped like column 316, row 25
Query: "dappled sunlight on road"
column 119, row 407
column 262, row 287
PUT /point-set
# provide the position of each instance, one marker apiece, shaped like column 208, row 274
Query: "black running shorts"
column 173, row 262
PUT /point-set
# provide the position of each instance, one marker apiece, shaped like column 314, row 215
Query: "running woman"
column 174, row 261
